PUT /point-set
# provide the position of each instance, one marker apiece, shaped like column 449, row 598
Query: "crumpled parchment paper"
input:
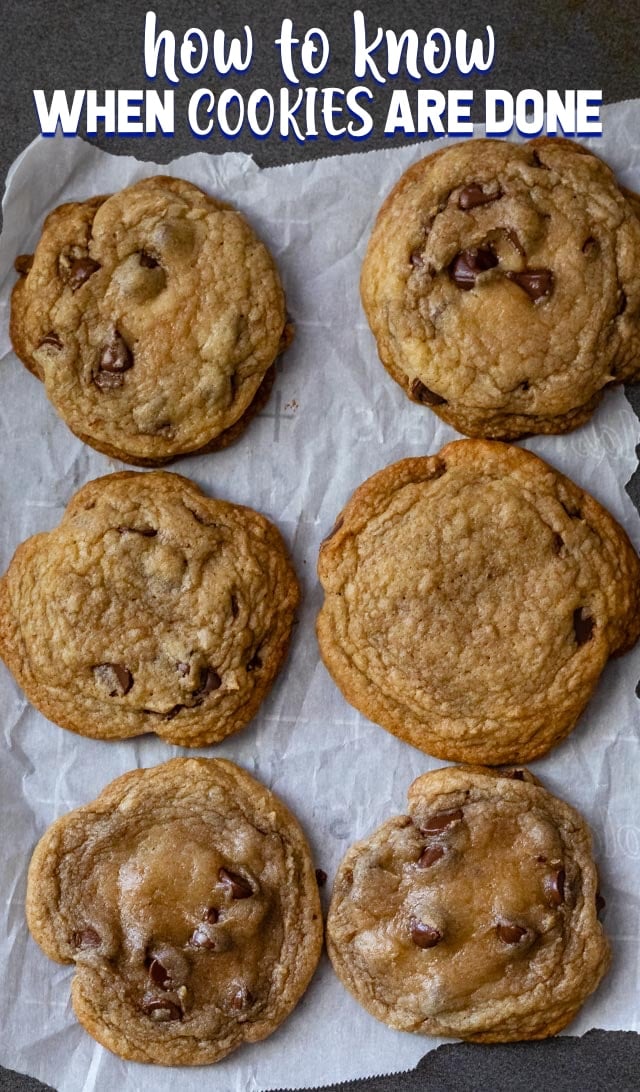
column 333, row 419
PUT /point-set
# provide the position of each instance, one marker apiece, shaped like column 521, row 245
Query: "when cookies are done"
column 475, row 915
column 150, row 608
column 186, row 897
column 502, row 284
column 472, row 600
column 153, row 316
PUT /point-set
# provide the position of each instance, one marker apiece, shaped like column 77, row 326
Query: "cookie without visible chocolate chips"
column 151, row 608
column 185, row 895
column 153, row 317
column 472, row 599
column 475, row 915
column 502, row 284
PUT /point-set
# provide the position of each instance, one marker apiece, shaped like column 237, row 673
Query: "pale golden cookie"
column 185, row 895
column 475, row 915
column 151, row 608
column 502, row 284
column 153, row 317
column 472, row 599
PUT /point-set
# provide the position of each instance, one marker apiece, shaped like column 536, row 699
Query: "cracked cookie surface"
column 185, row 895
column 150, row 608
column 473, row 916
column 502, row 285
column 472, row 600
column 153, row 317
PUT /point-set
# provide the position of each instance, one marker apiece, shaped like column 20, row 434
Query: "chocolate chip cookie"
column 502, row 284
column 185, row 895
column 153, row 317
column 472, row 599
column 151, row 608
column 475, row 915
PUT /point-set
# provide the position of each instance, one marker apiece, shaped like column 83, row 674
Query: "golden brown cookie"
column 185, row 895
column 153, row 317
column 502, row 284
column 151, row 608
column 472, row 599
column 475, row 915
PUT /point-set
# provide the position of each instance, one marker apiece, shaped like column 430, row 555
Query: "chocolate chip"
column 23, row 264
column 535, row 282
column 554, row 887
column 51, row 339
column 235, row 609
column 183, row 669
column 236, row 885
column 210, row 681
column 601, row 902
column 115, row 356
column 201, row 938
column 255, row 662
column 159, row 975
column 474, row 195
column 147, row 260
column 423, row 394
column 582, row 626
column 424, row 936
column 80, row 271
column 241, row 999
column 86, row 938
column 512, row 236
column 116, row 677
column 441, row 820
column 146, row 532
column 516, row 775
column 466, row 266
column 429, row 856
column 162, row 1009
column 590, row 246
column 321, row 877
column 211, row 915
column 510, row 934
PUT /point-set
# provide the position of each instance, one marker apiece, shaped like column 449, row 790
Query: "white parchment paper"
column 333, row 419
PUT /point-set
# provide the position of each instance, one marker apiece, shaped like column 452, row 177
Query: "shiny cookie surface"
column 502, row 284
column 186, row 898
column 475, row 915
column 151, row 608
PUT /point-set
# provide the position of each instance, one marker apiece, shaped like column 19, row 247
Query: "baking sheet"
column 333, row 419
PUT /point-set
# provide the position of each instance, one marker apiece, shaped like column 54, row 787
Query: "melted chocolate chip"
column 86, row 938
column 211, row 915
column 241, row 999
column 466, row 266
column 516, row 775
column 23, row 264
column 255, row 662
column 429, row 856
column 472, row 196
column 162, row 1009
column 116, row 677
column 582, row 626
column 116, row 356
column 50, row 339
column 235, row 609
column 537, row 283
column 510, row 934
column 236, row 885
column 423, row 394
column 441, row 820
column 159, row 975
column 201, row 938
column 211, row 681
column 321, row 877
column 512, row 236
column 147, row 261
column 554, row 887
column 424, row 936
column 80, row 271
